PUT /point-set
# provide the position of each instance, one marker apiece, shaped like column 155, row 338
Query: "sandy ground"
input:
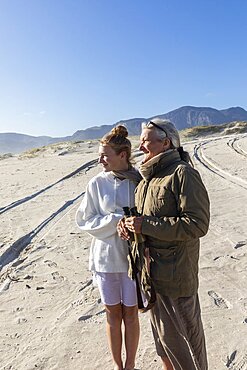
column 51, row 315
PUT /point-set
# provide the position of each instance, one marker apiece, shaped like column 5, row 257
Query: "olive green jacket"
column 175, row 206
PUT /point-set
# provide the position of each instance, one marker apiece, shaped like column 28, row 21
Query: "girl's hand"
column 122, row 230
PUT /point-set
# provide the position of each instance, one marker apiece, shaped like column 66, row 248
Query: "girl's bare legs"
column 132, row 333
column 114, row 333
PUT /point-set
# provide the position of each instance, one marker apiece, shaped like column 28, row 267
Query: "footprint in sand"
column 93, row 313
column 218, row 301
column 240, row 244
column 57, row 277
column 94, row 318
column 230, row 359
column 86, row 285
column 241, row 364
column 79, row 302
column 50, row 263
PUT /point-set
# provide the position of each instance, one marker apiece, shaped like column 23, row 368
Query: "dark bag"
column 139, row 267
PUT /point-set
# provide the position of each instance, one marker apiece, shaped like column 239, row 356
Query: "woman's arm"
column 192, row 220
column 193, row 214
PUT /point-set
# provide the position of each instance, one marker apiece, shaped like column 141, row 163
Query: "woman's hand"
column 134, row 224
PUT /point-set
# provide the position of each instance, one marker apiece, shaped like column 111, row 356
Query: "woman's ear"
column 167, row 144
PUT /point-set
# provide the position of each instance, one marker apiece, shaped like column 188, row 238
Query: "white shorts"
column 115, row 288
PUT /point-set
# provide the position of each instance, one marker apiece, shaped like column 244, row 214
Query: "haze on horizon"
column 66, row 66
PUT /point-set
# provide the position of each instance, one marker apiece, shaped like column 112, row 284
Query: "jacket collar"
column 160, row 161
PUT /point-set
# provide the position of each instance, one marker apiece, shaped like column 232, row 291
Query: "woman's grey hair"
column 165, row 128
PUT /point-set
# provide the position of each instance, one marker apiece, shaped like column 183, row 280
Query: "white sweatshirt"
column 98, row 214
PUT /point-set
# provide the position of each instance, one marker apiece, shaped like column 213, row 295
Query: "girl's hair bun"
column 120, row 131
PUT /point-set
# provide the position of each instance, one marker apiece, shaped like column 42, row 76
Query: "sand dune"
column 51, row 314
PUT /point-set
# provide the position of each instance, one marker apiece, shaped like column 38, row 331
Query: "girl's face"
column 110, row 160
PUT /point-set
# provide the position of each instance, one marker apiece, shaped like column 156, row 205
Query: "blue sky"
column 66, row 65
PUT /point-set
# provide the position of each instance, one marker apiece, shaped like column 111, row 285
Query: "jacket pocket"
column 163, row 264
column 163, row 202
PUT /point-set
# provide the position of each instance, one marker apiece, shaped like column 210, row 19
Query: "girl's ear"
column 123, row 155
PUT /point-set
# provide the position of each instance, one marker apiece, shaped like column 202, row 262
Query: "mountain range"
column 184, row 117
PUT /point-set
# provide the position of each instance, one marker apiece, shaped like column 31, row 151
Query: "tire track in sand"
column 15, row 249
column 85, row 166
column 206, row 162
column 232, row 144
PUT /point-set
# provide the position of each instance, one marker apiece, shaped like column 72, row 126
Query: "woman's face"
column 110, row 160
column 151, row 145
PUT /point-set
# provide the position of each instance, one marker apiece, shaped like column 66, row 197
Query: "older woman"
column 101, row 209
column 174, row 208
